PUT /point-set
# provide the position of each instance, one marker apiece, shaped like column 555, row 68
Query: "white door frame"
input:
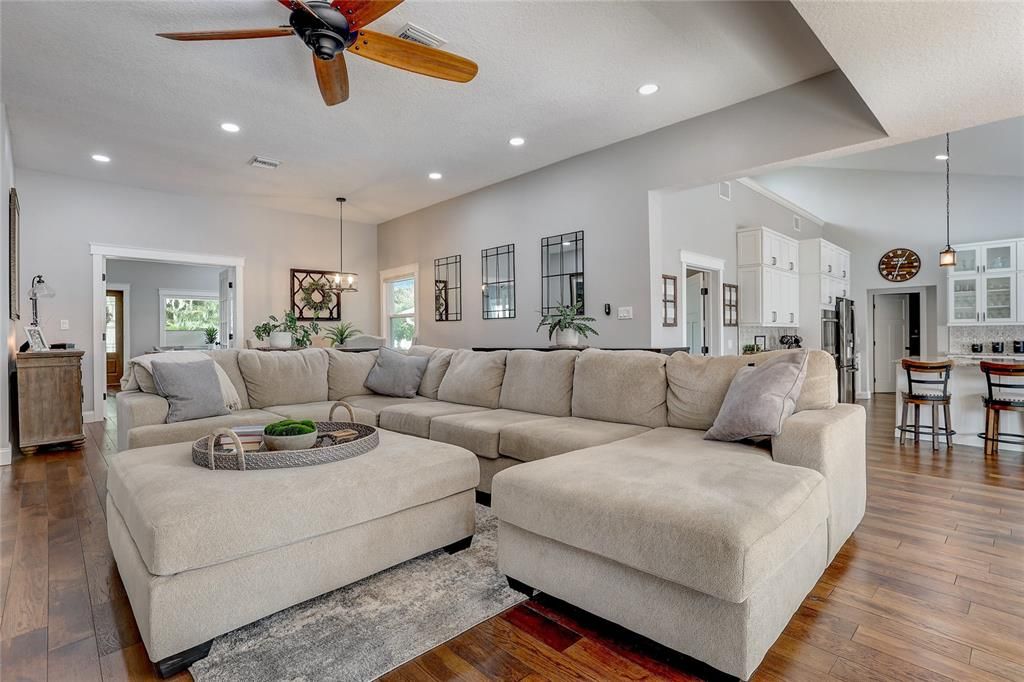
column 126, row 318
column 715, row 267
column 100, row 254
column 929, row 327
column 391, row 274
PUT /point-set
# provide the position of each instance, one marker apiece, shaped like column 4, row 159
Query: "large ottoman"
column 705, row 547
column 204, row 552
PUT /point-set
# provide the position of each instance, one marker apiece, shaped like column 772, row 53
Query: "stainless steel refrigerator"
column 845, row 351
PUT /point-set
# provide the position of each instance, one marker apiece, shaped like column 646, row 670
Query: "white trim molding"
column 716, row 268
column 781, row 201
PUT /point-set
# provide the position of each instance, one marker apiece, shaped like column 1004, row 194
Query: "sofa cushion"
column 192, row 389
column 321, row 411
column 178, row 432
column 697, row 385
column 539, row 381
column 716, row 517
column 478, row 431
column 620, row 386
column 185, row 517
column 396, row 374
column 284, row 377
column 539, row 439
column 414, row 418
column 375, row 403
column 440, row 359
column 760, row 399
column 474, row 378
column 347, row 372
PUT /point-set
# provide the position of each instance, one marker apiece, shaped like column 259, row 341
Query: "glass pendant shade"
column 947, row 257
column 346, row 281
column 40, row 289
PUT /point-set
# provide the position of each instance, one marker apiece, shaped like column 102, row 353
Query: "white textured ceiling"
column 991, row 149
column 85, row 77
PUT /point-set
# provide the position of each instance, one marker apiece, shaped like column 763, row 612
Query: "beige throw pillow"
column 760, row 399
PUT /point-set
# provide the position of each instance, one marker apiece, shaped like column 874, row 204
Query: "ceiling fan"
column 329, row 28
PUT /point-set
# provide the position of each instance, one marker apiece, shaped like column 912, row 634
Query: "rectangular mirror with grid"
column 498, row 277
column 561, row 271
column 448, row 289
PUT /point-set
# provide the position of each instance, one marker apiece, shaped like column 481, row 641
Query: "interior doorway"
column 896, row 321
column 697, row 294
column 118, row 308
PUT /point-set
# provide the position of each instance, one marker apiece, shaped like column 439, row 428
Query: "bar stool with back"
column 921, row 391
column 1003, row 377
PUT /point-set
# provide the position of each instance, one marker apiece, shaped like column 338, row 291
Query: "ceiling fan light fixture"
column 648, row 88
column 101, row 158
column 230, row 127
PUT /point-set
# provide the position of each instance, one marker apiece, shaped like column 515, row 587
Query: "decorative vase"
column 303, row 441
column 280, row 340
column 567, row 337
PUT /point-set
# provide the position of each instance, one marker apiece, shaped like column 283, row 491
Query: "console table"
column 49, row 398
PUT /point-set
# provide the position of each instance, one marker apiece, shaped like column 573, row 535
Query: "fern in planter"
column 567, row 325
column 342, row 333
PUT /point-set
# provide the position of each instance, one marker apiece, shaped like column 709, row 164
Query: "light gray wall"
column 605, row 193
column 7, row 329
column 870, row 212
column 61, row 215
column 146, row 280
column 700, row 221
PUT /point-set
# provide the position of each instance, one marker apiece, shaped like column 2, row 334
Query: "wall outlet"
column 65, row 325
column 626, row 312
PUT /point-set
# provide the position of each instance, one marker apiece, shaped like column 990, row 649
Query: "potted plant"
column 751, row 349
column 342, row 333
column 567, row 324
column 211, row 333
column 286, row 332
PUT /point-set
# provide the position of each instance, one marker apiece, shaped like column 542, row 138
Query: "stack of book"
column 251, row 438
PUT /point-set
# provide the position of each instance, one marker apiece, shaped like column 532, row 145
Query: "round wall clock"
column 899, row 265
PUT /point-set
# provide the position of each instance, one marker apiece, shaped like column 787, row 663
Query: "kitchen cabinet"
column 822, row 256
column 763, row 246
column 987, row 257
column 1020, row 290
column 985, row 285
column 769, row 297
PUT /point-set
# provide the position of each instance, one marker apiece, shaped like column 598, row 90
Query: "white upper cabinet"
column 988, row 257
column 824, row 257
column 762, row 246
column 985, row 285
column 767, row 270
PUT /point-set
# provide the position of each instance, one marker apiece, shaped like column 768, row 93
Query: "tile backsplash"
column 961, row 337
column 748, row 332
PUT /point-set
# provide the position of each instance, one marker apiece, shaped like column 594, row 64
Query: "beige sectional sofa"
column 596, row 460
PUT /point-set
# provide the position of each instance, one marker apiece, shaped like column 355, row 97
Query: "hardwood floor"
column 931, row 586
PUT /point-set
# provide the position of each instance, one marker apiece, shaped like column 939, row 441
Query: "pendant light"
column 343, row 281
column 947, row 257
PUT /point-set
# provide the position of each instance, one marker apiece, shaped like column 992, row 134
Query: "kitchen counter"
column 966, row 387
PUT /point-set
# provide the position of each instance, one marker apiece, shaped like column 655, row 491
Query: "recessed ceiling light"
column 647, row 89
column 229, row 127
column 516, row 141
column 102, row 158
column 435, row 176
column 941, row 157
column 566, row 243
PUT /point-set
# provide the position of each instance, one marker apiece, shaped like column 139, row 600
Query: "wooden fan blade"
column 332, row 77
column 240, row 34
column 361, row 12
column 414, row 57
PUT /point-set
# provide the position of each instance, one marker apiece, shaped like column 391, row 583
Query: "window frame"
column 193, row 294
column 387, row 278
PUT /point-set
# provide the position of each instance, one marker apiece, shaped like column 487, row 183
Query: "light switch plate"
column 65, row 325
column 626, row 313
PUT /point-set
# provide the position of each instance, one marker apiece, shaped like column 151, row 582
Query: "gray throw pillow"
column 396, row 374
column 760, row 399
column 192, row 389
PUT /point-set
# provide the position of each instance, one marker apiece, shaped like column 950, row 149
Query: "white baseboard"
column 5, row 457
column 91, row 416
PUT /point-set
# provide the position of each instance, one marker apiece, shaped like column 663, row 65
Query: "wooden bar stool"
column 922, row 390
column 1005, row 377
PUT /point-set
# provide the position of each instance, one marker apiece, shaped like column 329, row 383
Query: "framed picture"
column 14, row 210
column 36, row 342
column 761, row 342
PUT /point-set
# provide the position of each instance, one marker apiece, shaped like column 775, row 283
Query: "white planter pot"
column 280, row 340
column 567, row 337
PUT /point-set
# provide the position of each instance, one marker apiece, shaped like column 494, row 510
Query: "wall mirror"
column 498, row 277
column 561, row 271
column 448, row 289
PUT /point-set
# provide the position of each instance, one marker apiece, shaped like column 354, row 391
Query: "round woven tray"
column 208, row 452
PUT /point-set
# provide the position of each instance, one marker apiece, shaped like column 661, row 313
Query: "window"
column 111, row 328
column 400, row 306
column 669, row 300
column 185, row 314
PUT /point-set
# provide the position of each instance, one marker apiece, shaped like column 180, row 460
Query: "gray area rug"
column 364, row 630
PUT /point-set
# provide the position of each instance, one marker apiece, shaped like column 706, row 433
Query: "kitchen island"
column 966, row 387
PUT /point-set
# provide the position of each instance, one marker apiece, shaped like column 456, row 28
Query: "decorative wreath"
column 317, row 297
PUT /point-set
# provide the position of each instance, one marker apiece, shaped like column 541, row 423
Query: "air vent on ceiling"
column 264, row 162
column 414, row 33
column 796, row 223
column 725, row 191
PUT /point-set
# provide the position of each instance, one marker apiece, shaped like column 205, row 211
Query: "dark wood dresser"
column 49, row 399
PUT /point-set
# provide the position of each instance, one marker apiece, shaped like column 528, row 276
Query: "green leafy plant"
column 567, row 317
column 290, row 427
column 302, row 334
column 211, row 334
column 750, row 349
column 342, row 333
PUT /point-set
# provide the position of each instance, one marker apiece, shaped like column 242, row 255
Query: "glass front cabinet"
column 985, row 284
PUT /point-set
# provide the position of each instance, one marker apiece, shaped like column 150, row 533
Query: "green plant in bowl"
column 290, row 434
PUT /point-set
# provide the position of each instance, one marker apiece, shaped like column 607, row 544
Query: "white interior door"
column 891, row 338
column 226, row 336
